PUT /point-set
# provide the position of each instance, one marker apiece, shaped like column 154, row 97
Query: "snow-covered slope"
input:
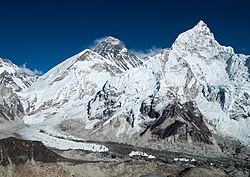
column 185, row 93
column 63, row 92
column 67, row 87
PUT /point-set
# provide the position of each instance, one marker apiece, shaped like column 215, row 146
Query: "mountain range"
column 183, row 96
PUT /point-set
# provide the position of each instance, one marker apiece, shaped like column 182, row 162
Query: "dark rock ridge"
column 105, row 100
column 17, row 151
column 183, row 121
column 114, row 50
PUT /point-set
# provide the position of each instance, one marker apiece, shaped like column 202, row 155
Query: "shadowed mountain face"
column 17, row 151
column 183, row 121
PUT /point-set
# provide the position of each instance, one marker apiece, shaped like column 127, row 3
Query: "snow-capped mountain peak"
column 200, row 40
column 7, row 66
column 115, row 50
column 15, row 77
column 113, row 41
column 109, row 45
column 201, row 25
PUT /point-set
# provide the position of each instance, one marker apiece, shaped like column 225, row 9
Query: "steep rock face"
column 10, row 105
column 184, row 122
column 17, row 151
column 114, row 50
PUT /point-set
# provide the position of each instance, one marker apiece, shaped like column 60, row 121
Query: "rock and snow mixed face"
column 64, row 90
column 114, row 50
column 195, row 69
column 172, row 94
column 13, row 79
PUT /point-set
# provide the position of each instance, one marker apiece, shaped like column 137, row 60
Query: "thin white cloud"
column 148, row 52
column 97, row 41
column 24, row 69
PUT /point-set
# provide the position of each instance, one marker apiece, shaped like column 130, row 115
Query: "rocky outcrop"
column 184, row 122
column 17, row 151
column 10, row 105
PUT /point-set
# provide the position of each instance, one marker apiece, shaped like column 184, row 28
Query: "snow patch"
column 140, row 153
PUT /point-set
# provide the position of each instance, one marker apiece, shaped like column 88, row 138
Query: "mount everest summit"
column 185, row 94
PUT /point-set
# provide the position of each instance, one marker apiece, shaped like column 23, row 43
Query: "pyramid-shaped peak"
column 112, row 40
column 201, row 26
column 108, row 43
column 199, row 31
column 196, row 39
column 201, row 23
column 115, row 50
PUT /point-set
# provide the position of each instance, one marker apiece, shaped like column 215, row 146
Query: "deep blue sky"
column 42, row 33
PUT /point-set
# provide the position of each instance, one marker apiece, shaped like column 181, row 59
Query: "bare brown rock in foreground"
column 17, row 151
column 26, row 158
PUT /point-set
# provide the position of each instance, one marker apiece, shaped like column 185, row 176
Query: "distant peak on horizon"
column 108, row 43
column 202, row 26
column 201, row 23
column 111, row 40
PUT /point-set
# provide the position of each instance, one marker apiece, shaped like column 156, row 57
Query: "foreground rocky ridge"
column 27, row 158
column 18, row 152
